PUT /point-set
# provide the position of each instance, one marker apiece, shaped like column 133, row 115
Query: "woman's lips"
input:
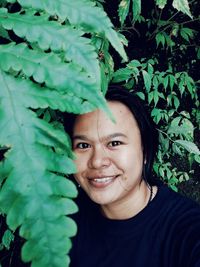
column 102, row 182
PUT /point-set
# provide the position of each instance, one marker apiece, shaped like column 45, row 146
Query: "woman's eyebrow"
column 110, row 136
column 82, row 137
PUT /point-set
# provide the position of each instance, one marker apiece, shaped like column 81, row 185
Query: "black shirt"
column 166, row 233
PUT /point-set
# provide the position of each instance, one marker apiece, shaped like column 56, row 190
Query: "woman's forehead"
column 98, row 119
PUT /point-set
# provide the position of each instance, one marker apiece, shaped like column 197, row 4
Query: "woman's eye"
column 115, row 143
column 82, row 145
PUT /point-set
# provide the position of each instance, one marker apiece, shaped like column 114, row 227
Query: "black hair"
column 149, row 134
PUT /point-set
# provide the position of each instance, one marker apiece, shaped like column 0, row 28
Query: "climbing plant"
column 165, row 75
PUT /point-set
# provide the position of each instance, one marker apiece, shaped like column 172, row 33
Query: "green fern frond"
column 4, row 170
column 39, row 30
column 34, row 96
column 57, row 68
column 33, row 196
column 47, row 68
column 83, row 13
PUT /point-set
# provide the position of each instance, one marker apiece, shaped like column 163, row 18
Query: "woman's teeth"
column 103, row 180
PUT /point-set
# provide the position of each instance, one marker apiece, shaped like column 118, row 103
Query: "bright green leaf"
column 183, row 6
column 160, row 39
column 136, row 9
column 189, row 146
column 187, row 33
column 123, row 10
column 7, row 238
column 161, row 3
column 147, row 79
column 122, row 74
column 78, row 12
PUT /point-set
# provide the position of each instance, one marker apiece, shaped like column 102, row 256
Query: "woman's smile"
column 102, row 182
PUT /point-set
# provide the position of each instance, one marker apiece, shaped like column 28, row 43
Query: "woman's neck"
column 136, row 201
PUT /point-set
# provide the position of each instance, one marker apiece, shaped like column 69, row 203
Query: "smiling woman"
column 126, row 217
column 110, row 161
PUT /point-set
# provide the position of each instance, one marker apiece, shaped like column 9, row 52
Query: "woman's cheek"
column 80, row 162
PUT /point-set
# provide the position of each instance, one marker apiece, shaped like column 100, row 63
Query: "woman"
column 125, row 217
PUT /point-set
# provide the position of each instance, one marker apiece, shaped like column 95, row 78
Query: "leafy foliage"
column 49, row 61
column 167, row 82
column 163, row 89
column 32, row 196
column 124, row 6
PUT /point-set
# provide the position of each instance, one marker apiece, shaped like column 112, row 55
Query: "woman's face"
column 109, row 156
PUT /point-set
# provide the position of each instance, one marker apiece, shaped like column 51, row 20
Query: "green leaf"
column 189, row 146
column 198, row 53
column 123, row 10
column 176, row 102
column 70, row 40
column 150, row 69
column 35, row 96
column 160, row 39
column 182, row 127
column 161, row 3
column 187, row 33
column 155, row 82
column 122, row 74
column 164, row 142
column 136, row 9
column 161, row 172
column 47, row 68
column 104, row 78
column 3, row 2
column 183, row 6
column 156, row 114
column 190, row 85
column 4, row 33
column 181, row 86
column 155, row 97
column 81, row 13
column 7, row 238
column 150, row 97
column 176, row 149
column 169, row 41
column 29, row 194
column 172, row 81
column 147, row 80
column 116, row 42
column 141, row 95
column 134, row 63
column 173, row 187
column 4, row 169
column 197, row 158
column 166, row 81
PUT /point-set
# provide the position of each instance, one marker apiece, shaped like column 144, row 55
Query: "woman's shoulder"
column 180, row 226
column 175, row 199
column 177, row 210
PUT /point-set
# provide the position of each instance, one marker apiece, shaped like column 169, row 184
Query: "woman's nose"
column 99, row 158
